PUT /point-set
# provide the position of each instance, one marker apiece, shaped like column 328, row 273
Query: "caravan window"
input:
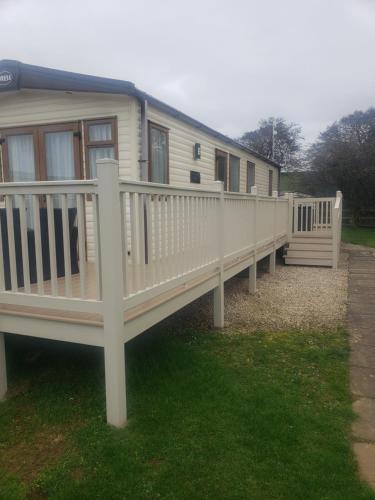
column 234, row 173
column 158, row 154
column 221, row 160
column 101, row 142
column 250, row 180
column 42, row 153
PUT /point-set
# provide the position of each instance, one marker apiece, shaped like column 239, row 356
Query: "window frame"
column 239, row 173
column 99, row 144
column 157, row 126
column 250, row 165
column 222, row 154
column 38, row 131
column 270, row 182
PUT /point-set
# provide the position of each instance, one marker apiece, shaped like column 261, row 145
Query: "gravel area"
column 295, row 297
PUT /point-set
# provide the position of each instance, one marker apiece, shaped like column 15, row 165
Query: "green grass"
column 212, row 416
column 359, row 236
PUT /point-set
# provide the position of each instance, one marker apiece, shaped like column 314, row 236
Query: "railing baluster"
column 141, row 239
column 52, row 244
column 98, row 260
column 38, row 244
column 66, row 245
column 11, row 243
column 81, row 245
column 134, row 250
column 24, row 245
column 2, row 280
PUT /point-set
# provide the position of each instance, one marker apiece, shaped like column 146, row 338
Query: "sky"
column 226, row 63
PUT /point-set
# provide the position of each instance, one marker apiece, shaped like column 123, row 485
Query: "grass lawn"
column 212, row 416
column 359, row 236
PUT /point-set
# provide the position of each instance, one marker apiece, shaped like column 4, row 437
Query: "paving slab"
column 363, row 356
column 362, row 381
column 365, row 453
column 361, row 325
column 363, row 427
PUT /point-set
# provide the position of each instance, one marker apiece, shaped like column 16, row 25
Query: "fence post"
column 253, row 267
column 3, row 368
column 219, row 290
column 336, row 229
column 112, row 284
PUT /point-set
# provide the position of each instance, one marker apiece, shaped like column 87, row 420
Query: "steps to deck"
column 306, row 250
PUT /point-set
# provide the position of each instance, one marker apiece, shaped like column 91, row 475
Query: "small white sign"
column 6, row 78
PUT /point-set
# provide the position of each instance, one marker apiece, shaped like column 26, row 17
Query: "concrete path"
column 361, row 324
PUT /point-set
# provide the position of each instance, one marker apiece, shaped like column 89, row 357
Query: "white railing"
column 312, row 215
column 43, row 245
column 165, row 235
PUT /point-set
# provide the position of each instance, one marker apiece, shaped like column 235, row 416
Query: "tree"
column 278, row 140
column 344, row 158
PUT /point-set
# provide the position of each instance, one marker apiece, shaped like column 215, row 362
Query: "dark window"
column 101, row 142
column 221, row 160
column 250, row 179
column 270, row 182
column 234, row 173
column 158, row 154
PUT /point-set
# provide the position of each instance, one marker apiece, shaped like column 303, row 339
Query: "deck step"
column 309, row 254
column 310, row 250
column 296, row 245
column 308, row 262
column 311, row 241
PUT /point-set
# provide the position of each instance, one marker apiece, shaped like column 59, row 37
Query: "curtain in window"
column 100, row 132
column 99, row 154
column 21, row 158
column 250, row 176
column 159, row 155
column 60, row 163
column 234, row 173
column 22, row 166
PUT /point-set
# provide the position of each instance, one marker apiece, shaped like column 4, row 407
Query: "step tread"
column 309, row 262
column 309, row 254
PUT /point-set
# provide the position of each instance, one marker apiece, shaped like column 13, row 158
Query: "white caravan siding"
column 34, row 107
column 182, row 138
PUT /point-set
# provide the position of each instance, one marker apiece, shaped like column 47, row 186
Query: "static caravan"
column 111, row 219
column 59, row 123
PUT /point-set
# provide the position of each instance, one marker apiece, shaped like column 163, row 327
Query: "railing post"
column 290, row 216
column 3, row 369
column 272, row 264
column 219, row 290
column 253, row 267
column 112, row 284
column 336, row 229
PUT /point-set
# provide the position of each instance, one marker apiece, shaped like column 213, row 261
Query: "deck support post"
column 219, row 290
column 272, row 262
column 112, row 290
column 253, row 278
column 3, row 369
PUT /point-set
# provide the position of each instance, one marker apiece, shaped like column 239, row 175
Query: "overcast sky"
column 226, row 63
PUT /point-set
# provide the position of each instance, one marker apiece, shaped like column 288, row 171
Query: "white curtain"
column 100, row 132
column 22, row 167
column 21, row 158
column 159, row 159
column 59, row 149
column 234, row 173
